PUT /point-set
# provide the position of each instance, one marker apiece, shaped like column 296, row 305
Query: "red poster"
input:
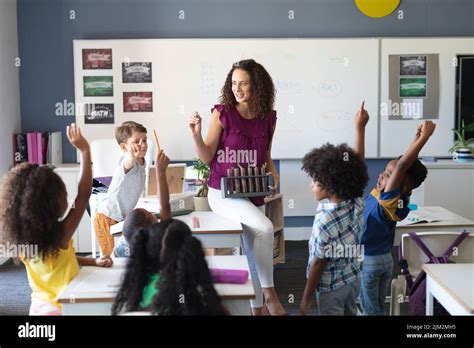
column 137, row 101
column 100, row 58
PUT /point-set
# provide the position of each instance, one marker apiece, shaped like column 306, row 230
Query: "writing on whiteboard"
column 330, row 88
column 288, row 87
column 208, row 85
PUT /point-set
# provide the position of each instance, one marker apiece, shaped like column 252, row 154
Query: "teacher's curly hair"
column 30, row 206
column 261, row 86
column 338, row 170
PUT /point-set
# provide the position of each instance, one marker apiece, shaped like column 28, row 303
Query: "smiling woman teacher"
column 244, row 123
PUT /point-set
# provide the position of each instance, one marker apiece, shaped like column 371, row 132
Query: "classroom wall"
column 46, row 32
column 10, row 120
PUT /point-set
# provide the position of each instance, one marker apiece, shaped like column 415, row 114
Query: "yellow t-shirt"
column 49, row 278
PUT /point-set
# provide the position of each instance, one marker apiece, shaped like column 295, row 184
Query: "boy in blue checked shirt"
column 339, row 176
column 386, row 204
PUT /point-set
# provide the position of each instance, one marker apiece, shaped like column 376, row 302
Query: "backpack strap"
column 455, row 244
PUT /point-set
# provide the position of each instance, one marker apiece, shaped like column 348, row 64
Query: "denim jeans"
column 376, row 277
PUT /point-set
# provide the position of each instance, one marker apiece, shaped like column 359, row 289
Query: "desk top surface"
column 209, row 222
column 98, row 284
column 448, row 218
column 448, row 164
column 457, row 279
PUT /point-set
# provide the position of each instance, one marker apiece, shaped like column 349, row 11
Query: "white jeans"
column 257, row 237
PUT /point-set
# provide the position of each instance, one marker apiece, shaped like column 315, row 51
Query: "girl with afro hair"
column 34, row 212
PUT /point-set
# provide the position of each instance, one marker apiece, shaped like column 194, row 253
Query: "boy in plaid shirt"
column 339, row 176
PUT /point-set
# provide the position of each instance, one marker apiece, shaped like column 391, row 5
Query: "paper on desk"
column 117, row 228
column 415, row 217
column 102, row 280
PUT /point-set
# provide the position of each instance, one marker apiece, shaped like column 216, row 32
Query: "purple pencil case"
column 232, row 276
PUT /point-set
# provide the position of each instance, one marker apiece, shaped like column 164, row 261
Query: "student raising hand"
column 84, row 189
column 134, row 151
column 362, row 116
column 76, row 138
column 162, row 162
column 361, row 120
column 426, row 129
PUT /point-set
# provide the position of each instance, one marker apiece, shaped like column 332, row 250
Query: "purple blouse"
column 239, row 133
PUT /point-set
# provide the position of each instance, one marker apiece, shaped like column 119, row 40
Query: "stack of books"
column 36, row 147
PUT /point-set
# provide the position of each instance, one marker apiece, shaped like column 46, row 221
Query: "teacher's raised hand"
column 194, row 124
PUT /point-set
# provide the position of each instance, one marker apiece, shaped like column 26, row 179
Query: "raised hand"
column 76, row 138
column 162, row 161
column 361, row 120
column 134, row 151
column 426, row 129
column 362, row 116
column 194, row 124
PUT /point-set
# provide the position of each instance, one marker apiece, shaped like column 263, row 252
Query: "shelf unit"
column 274, row 211
column 70, row 175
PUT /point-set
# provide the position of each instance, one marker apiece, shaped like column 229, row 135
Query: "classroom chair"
column 437, row 242
column 105, row 155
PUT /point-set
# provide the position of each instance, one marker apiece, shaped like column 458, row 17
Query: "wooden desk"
column 451, row 222
column 93, row 290
column 215, row 231
column 452, row 285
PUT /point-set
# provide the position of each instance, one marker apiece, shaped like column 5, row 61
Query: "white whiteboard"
column 320, row 84
column 396, row 135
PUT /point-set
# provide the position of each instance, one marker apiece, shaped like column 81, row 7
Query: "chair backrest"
column 437, row 242
column 105, row 155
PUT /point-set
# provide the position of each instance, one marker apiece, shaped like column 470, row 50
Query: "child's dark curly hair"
column 185, row 285
column 261, row 86
column 338, row 170
column 144, row 261
column 30, row 207
column 415, row 174
column 187, row 288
